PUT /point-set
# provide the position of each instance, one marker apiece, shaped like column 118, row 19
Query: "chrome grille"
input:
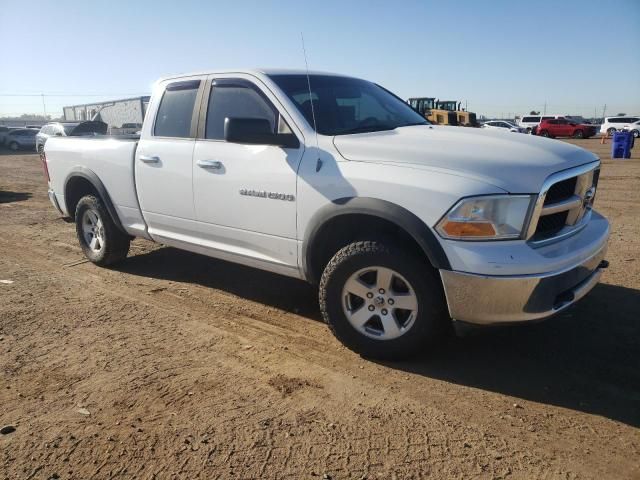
column 564, row 204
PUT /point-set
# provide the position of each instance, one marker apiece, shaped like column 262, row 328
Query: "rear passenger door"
column 163, row 159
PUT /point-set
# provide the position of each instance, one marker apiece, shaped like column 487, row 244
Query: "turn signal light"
column 468, row 229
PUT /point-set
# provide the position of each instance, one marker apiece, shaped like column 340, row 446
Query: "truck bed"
column 111, row 159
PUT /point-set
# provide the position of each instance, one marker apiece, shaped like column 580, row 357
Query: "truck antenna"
column 313, row 113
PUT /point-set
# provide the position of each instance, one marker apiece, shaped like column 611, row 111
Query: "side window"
column 239, row 100
column 562, row 121
column 176, row 110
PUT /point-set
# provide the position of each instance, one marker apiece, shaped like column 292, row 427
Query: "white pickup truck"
column 335, row 180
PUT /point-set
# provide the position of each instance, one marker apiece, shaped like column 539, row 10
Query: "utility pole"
column 44, row 106
column 604, row 109
column 544, row 112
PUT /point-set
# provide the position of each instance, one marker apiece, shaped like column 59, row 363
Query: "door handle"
column 149, row 159
column 209, row 164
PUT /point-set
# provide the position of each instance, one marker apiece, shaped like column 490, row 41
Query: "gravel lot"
column 174, row 365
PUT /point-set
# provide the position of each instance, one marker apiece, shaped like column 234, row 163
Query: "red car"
column 563, row 127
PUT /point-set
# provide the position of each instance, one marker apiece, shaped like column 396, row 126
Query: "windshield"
column 344, row 105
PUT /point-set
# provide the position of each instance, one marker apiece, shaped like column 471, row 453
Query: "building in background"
column 122, row 116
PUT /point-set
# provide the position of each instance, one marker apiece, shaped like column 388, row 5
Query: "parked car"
column 4, row 131
column 66, row 129
column 530, row 122
column 562, row 127
column 21, row 138
column 503, row 125
column 634, row 128
column 614, row 124
column 332, row 179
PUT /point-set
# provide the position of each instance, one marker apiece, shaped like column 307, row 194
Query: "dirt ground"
column 174, row 365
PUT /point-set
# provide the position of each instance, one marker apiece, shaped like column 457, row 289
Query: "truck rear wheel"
column 382, row 302
column 101, row 241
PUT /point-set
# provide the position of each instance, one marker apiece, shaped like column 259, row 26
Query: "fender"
column 403, row 218
column 90, row 175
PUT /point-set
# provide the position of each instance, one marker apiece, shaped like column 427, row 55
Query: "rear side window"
column 230, row 99
column 531, row 119
column 176, row 110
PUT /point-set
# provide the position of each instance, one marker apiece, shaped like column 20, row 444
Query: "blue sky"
column 501, row 56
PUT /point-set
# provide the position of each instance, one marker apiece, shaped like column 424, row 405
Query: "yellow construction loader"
column 443, row 112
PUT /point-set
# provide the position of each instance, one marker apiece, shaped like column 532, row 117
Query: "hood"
column 516, row 163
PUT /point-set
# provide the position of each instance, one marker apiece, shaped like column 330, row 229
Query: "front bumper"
column 501, row 299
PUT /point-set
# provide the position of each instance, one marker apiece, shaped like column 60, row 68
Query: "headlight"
column 493, row 217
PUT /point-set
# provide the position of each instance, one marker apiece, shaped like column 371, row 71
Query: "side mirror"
column 256, row 131
column 58, row 134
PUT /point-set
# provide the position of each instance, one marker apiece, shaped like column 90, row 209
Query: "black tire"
column 578, row 134
column 115, row 245
column 432, row 317
column 14, row 146
column 528, row 130
column 611, row 131
column 636, row 133
column 545, row 133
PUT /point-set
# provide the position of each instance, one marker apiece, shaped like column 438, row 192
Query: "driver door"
column 245, row 195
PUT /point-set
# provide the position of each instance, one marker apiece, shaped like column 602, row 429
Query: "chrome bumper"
column 485, row 299
column 54, row 202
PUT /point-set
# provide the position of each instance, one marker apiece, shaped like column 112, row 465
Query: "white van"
column 613, row 124
column 530, row 122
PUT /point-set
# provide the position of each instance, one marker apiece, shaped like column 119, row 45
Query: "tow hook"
column 603, row 264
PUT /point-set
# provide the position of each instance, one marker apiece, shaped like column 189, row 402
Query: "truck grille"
column 549, row 225
column 561, row 191
column 564, row 205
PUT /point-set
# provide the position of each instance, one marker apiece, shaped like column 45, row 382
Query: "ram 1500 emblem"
column 264, row 194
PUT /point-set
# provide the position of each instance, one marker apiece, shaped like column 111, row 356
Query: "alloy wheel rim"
column 93, row 230
column 379, row 303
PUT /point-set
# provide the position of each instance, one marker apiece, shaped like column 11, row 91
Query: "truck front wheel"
column 381, row 301
column 101, row 241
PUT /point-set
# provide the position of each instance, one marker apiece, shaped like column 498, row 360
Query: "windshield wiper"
column 368, row 128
